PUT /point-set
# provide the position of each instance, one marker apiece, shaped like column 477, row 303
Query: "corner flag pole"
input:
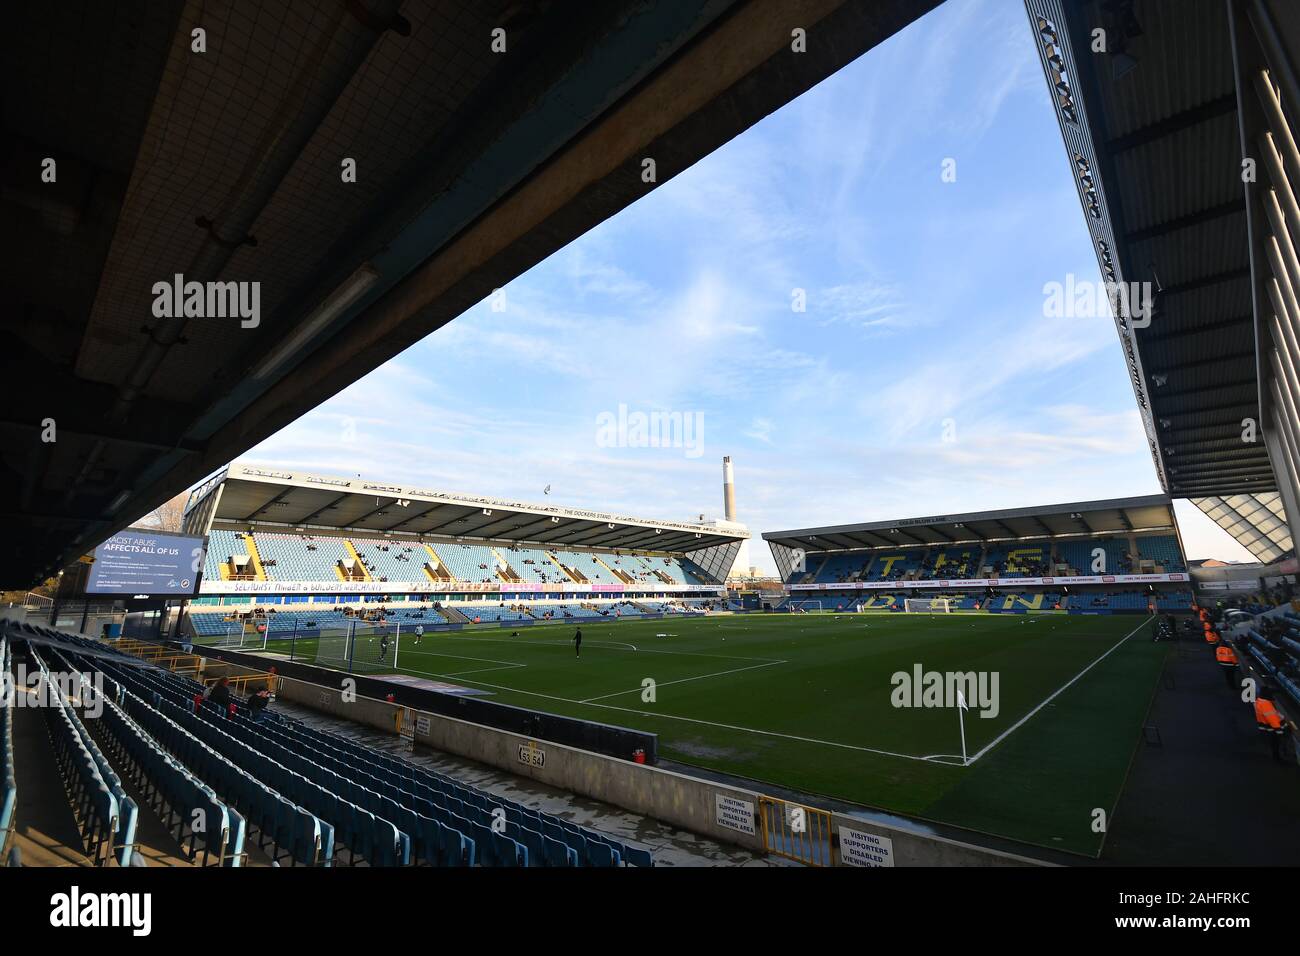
column 961, row 723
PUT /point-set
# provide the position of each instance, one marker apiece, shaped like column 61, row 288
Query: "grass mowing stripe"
column 1007, row 733
column 682, row 680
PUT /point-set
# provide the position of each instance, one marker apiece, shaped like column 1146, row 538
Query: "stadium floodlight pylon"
column 930, row 605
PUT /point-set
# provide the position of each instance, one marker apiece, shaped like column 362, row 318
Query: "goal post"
column 927, row 605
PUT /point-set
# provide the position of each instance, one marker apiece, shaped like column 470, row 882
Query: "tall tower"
column 741, row 565
column 728, row 490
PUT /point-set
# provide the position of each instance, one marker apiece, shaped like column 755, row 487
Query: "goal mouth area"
column 928, row 606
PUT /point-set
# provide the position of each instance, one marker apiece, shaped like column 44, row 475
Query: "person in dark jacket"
column 258, row 701
column 220, row 694
column 577, row 643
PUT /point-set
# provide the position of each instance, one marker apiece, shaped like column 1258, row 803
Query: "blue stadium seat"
column 557, row 853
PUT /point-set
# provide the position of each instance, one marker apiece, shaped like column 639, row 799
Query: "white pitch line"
column 682, row 680
column 772, row 733
column 1010, row 730
column 463, row 657
column 944, row 758
column 692, row 720
column 480, row 670
column 601, row 643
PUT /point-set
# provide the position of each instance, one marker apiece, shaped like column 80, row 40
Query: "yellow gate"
column 795, row 831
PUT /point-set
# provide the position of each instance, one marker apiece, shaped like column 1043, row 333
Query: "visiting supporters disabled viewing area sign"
column 865, row 849
column 735, row 814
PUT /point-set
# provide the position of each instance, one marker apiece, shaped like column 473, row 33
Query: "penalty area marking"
column 682, row 680
column 481, row 670
column 692, row 720
column 952, row 760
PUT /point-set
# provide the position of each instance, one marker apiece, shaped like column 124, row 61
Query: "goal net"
column 802, row 606
column 356, row 646
column 928, row 605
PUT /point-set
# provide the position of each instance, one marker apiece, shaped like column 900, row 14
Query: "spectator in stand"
column 220, row 693
column 258, row 701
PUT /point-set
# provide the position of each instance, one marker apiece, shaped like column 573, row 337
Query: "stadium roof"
column 1153, row 512
column 1151, row 129
column 1257, row 521
column 279, row 499
column 225, row 165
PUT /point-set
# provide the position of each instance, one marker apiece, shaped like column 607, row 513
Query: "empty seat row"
column 384, row 809
column 181, row 798
column 106, row 818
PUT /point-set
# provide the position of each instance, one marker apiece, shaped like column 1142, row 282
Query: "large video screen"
column 147, row 562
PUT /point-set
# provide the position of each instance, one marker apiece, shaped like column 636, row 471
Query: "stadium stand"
column 486, row 611
column 213, row 623
column 1018, row 560
column 228, row 557
column 951, row 563
column 842, row 568
column 1162, row 552
column 895, row 565
column 286, row 557
column 533, row 565
column 584, row 567
column 1086, row 599
column 1077, row 556
column 307, row 796
column 1031, row 558
column 470, row 563
column 388, row 561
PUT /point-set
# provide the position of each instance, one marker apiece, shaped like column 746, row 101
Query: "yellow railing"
column 795, row 831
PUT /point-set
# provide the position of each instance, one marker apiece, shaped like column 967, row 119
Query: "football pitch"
column 812, row 703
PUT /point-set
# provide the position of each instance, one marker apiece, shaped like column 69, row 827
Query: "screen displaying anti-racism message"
column 146, row 562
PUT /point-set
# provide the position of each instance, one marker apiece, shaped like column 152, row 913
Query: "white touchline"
column 691, row 720
column 1006, row 733
column 682, row 680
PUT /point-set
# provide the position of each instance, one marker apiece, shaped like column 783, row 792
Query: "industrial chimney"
column 728, row 490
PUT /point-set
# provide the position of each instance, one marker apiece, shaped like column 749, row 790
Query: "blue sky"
column 922, row 378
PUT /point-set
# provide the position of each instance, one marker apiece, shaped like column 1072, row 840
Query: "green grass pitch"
column 804, row 702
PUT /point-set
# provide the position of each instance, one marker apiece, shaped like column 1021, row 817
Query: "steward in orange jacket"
column 1227, row 659
column 1269, row 721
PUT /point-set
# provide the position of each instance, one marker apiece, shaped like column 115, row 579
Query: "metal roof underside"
column 225, row 166
column 357, row 506
column 1166, row 140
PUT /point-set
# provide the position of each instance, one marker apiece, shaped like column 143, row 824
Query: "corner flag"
column 961, row 723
